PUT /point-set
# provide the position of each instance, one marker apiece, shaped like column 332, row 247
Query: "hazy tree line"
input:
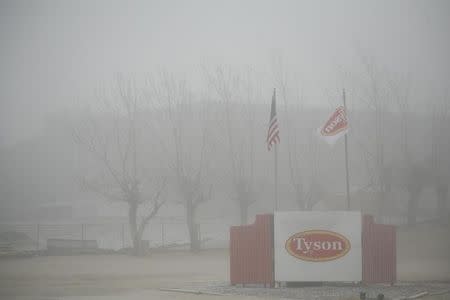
column 153, row 140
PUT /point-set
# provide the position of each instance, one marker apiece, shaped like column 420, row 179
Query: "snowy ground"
column 110, row 277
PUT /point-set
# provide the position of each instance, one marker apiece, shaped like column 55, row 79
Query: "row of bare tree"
column 422, row 161
column 146, row 137
column 113, row 132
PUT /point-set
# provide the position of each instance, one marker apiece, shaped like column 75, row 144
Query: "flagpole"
column 346, row 156
column 276, row 175
column 275, row 153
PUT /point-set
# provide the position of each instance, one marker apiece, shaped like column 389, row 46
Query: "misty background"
column 199, row 77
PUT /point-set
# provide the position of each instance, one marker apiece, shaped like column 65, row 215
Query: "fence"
column 173, row 234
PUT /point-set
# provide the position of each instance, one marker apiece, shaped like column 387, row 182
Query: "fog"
column 53, row 52
column 145, row 114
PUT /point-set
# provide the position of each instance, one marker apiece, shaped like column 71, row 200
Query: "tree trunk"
column 132, row 218
column 412, row 204
column 299, row 196
column 243, row 211
column 381, row 196
column 309, row 204
column 300, row 202
column 192, row 226
column 442, row 197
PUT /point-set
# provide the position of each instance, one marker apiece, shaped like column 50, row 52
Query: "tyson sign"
column 317, row 245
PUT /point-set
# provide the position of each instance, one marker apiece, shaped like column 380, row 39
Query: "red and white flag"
column 335, row 127
column 273, row 133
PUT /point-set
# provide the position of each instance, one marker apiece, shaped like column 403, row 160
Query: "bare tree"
column 111, row 137
column 434, row 173
column 374, row 92
column 401, row 95
column 413, row 173
column 191, row 156
column 301, row 157
column 440, row 163
column 232, row 88
column 416, row 179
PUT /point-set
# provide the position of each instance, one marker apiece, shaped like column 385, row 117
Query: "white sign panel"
column 317, row 246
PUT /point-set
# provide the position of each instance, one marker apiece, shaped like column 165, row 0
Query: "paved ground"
column 334, row 291
column 113, row 277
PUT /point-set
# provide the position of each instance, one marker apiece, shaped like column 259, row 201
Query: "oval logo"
column 336, row 123
column 317, row 245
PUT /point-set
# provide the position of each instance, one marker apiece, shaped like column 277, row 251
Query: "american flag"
column 273, row 132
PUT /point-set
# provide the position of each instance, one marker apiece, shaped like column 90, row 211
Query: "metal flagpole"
column 276, row 176
column 346, row 155
column 276, row 193
column 272, row 140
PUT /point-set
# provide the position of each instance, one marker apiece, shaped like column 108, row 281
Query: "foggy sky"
column 55, row 51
